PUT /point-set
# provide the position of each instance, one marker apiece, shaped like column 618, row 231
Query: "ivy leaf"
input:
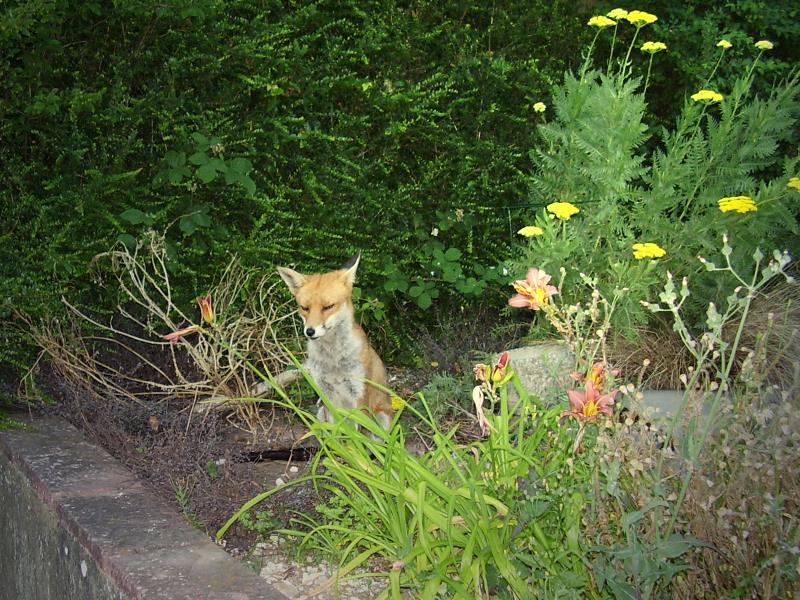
column 134, row 216
column 240, row 165
column 199, row 158
column 127, row 240
column 452, row 254
column 207, row 173
column 175, row 159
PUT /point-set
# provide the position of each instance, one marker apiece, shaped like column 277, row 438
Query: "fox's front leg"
column 323, row 414
column 282, row 380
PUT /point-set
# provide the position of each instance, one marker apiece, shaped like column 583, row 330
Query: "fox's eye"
column 303, row 309
column 328, row 306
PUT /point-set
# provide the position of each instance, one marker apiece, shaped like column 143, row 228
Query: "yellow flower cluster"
column 640, row 18
column 539, row 107
column 740, row 204
column 724, row 44
column 530, row 230
column 707, row 96
column 563, row 210
column 764, row 45
column 653, row 47
column 794, row 182
column 601, row 22
column 647, row 250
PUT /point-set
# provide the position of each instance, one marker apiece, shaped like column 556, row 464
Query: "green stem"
column 647, row 78
column 611, row 53
column 628, row 55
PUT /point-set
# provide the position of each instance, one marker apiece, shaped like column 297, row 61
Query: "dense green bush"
column 285, row 132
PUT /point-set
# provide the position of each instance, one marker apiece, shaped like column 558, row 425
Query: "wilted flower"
column 724, row 44
column 176, row 335
column 707, row 96
column 539, row 107
column 477, row 400
column 601, row 22
column 563, row 210
column 640, row 18
column 653, row 47
column 586, row 405
column 206, row 309
column 530, row 230
column 794, row 182
column 764, row 45
column 740, row 204
column 533, row 292
column 648, row 250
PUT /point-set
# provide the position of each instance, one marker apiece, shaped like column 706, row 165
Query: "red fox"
column 339, row 358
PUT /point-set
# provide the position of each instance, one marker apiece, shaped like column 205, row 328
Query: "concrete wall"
column 74, row 524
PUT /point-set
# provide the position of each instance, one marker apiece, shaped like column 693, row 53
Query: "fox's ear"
column 292, row 278
column 350, row 269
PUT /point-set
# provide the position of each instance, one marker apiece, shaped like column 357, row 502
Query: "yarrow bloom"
column 764, row 45
column 206, row 309
column 647, row 250
column 563, row 210
column 653, row 47
column 397, row 403
column 707, row 96
column 587, row 405
column 724, row 44
column 640, row 18
column 618, row 13
column 740, row 204
column 530, row 230
column 539, row 107
column 794, row 182
column 601, row 22
column 533, row 292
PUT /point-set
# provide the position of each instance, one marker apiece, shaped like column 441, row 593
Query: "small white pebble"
column 293, row 469
column 279, row 481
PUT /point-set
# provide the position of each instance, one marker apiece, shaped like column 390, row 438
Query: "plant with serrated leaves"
column 637, row 185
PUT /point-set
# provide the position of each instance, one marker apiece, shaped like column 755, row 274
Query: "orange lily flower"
column 206, row 309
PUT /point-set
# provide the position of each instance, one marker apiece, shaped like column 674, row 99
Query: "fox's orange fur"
column 339, row 358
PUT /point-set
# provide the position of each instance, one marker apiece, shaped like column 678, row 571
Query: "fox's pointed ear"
column 292, row 278
column 350, row 269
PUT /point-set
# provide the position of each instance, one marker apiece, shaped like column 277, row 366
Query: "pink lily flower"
column 533, row 292
column 587, row 405
column 596, row 374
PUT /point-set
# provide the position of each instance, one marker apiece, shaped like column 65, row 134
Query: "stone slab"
column 79, row 525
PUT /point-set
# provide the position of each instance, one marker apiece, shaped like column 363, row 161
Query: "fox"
column 339, row 356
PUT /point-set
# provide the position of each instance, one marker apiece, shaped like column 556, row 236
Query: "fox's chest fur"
column 335, row 363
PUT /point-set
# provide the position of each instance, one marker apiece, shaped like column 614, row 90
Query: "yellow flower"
column 740, row 204
column 618, row 13
column 653, row 47
column 640, row 18
column 764, row 45
column 794, row 182
column 601, row 22
column 530, row 230
column 563, row 210
column 397, row 403
column 435, row 364
column 539, row 107
column 707, row 96
column 724, row 44
column 648, row 250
